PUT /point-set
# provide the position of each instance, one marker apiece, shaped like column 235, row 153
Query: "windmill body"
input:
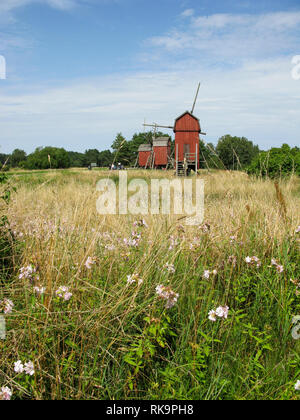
column 187, row 131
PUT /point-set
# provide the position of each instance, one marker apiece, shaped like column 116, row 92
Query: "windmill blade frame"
column 196, row 97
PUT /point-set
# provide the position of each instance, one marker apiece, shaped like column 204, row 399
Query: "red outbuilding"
column 145, row 154
column 161, row 151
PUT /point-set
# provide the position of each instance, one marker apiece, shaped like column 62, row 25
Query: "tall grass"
column 112, row 340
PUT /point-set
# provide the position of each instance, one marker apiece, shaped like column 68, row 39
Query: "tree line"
column 231, row 152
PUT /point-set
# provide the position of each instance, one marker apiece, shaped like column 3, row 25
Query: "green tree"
column 236, row 152
column 17, row 157
column 105, row 158
column 3, row 158
column 44, row 158
column 121, row 150
column 91, row 156
column 208, row 156
column 276, row 162
column 77, row 160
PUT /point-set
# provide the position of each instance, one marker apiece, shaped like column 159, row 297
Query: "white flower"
column 29, row 368
column 297, row 230
column 5, row 393
column 27, row 272
column 140, row 223
column 6, row 306
column 39, row 290
column 297, row 386
column 233, row 239
column 205, row 228
column 130, row 279
column 131, row 242
column 110, row 247
column 212, row 316
column 207, row 273
column 222, row 312
column 279, row 268
column 173, row 243
column 133, row 279
column 159, row 289
column 167, row 294
column 253, row 261
column 90, row 262
column 19, row 368
column 170, row 268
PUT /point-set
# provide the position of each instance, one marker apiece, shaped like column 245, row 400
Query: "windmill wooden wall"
column 187, row 136
column 145, row 151
column 162, row 151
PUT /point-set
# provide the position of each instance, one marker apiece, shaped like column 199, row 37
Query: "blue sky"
column 79, row 71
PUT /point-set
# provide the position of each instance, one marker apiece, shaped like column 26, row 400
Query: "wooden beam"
column 159, row 126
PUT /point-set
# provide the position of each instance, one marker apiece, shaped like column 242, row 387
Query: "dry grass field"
column 108, row 307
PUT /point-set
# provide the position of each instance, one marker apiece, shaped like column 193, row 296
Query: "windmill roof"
column 161, row 142
column 187, row 112
column 145, row 148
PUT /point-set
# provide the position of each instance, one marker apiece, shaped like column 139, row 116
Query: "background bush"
column 276, row 162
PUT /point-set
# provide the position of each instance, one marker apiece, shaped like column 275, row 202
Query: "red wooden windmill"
column 187, row 131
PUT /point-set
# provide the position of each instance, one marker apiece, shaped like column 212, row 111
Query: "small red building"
column 145, row 151
column 187, row 136
column 161, row 151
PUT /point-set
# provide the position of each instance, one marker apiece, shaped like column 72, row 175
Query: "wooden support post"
column 177, row 159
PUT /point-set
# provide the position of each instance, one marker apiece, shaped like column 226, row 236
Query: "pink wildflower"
column 29, row 368
column 170, row 268
column 167, row 294
column 255, row 261
column 39, row 290
column 134, row 278
column 63, row 292
column 5, row 393
column 6, row 306
column 220, row 312
column 279, row 268
column 90, row 262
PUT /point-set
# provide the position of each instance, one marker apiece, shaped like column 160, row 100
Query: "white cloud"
column 258, row 100
column 9, row 5
column 233, row 36
column 274, row 21
column 243, row 62
column 8, row 8
column 188, row 13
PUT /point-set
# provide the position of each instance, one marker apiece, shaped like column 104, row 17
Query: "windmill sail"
column 195, row 98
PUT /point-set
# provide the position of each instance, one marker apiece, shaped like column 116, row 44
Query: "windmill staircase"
column 150, row 161
column 180, row 169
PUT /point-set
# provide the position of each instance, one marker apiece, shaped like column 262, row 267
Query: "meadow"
column 124, row 307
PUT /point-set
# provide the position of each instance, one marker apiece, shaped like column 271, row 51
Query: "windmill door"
column 186, row 149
